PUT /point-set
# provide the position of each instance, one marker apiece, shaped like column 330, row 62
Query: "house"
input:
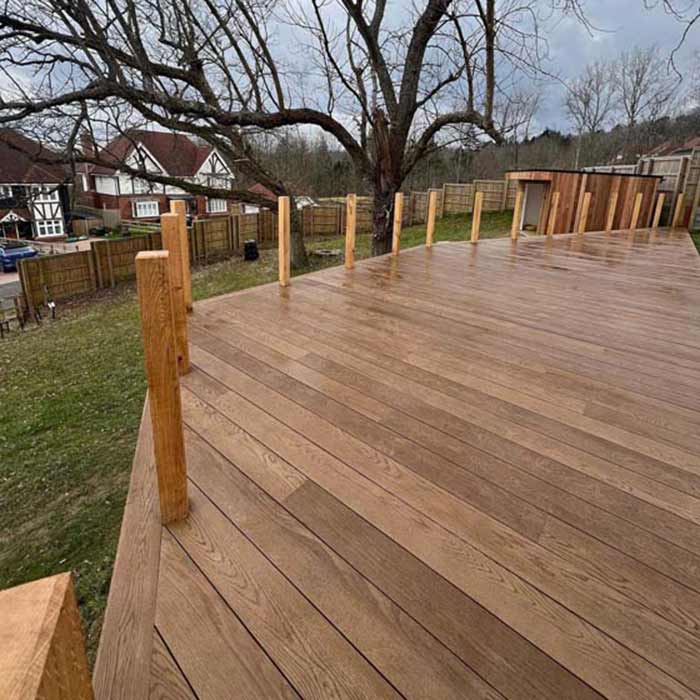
column 267, row 194
column 158, row 152
column 34, row 189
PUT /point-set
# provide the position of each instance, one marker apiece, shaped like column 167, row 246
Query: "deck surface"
column 466, row 472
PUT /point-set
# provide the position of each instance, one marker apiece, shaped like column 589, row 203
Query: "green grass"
column 70, row 403
column 696, row 239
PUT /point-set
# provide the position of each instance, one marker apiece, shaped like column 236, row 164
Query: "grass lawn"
column 696, row 239
column 72, row 395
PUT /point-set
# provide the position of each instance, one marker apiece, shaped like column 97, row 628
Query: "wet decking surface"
column 469, row 472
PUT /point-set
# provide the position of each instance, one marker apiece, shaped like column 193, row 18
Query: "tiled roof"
column 178, row 154
column 18, row 161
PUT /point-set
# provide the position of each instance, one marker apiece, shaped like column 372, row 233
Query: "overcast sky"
column 623, row 24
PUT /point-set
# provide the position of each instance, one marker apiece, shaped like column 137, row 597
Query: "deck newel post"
column 612, row 208
column 583, row 217
column 173, row 243
column 553, row 213
column 517, row 213
column 179, row 207
column 659, row 209
column 636, row 209
column 476, row 216
column 283, row 240
column 432, row 213
column 160, row 356
column 678, row 211
column 398, row 219
column 350, row 230
column 45, row 654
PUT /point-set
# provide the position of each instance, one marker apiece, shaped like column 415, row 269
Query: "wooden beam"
column 432, row 213
column 398, row 217
column 636, row 209
column 160, row 355
column 284, row 240
column 476, row 216
column 42, row 650
column 583, row 212
column 659, row 209
column 179, row 207
column 350, row 230
column 553, row 212
column 612, row 208
column 581, row 197
column 678, row 211
column 173, row 242
column 517, row 212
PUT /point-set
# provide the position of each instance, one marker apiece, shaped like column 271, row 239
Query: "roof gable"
column 18, row 161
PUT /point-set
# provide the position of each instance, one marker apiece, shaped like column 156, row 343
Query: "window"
column 219, row 181
column 5, row 192
column 45, row 193
column 217, row 206
column 50, row 227
column 146, row 208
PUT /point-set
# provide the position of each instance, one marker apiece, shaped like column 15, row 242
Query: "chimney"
column 87, row 144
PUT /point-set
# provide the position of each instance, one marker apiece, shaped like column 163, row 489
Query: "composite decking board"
column 612, row 499
column 167, row 681
column 499, row 654
column 213, row 649
column 543, row 542
column 388, row 637
column 592, row 655
column 651, row 636
column 527, row 382
column 529, row 431
column 524, row 507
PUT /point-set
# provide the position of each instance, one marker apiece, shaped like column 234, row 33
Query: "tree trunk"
column 298, row 256
column 383, row 219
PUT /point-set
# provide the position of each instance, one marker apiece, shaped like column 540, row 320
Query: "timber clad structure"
column 539, row 186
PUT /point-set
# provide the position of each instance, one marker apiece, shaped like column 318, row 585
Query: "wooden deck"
column 466, row 472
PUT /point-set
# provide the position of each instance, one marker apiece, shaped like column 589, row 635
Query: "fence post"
column 432, row 213
column 156, row 302
column 43, row 654
column 398, row 216
column 553, row 212
column 517, row 214
column 635, row 210
column 476, row 215
column 179, row 207
column 583, row 216
column 612, row 208
column 173, row 242
column 283, row 240
column 658, row 210
column 350, row 230
column 678, row 211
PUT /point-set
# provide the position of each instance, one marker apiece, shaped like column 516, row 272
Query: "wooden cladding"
column 610, row 206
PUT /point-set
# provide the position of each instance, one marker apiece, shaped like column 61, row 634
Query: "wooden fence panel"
column 458, row 198
column 64, row 275
column 493, row 193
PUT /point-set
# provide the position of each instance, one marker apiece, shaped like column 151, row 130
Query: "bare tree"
column 591, row 100
column 645, row 84
column 389, row 87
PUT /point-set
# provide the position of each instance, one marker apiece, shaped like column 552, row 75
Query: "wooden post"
column 179, row 207
column 172, row 242
column 517, row 213
column 432, row 213
column 283, row 240
column 678, row 211
column 583, row 214
column 160, row 355
column 42, row 649
column 553, row 212
column 636, row 209
column 612, row 208
column 398, row 217
column 476, row 215
column 350, row 230
column 658, row 210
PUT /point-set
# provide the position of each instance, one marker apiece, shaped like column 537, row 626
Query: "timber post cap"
column 152, row 255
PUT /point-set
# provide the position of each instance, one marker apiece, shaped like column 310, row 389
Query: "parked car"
column 12, row 251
